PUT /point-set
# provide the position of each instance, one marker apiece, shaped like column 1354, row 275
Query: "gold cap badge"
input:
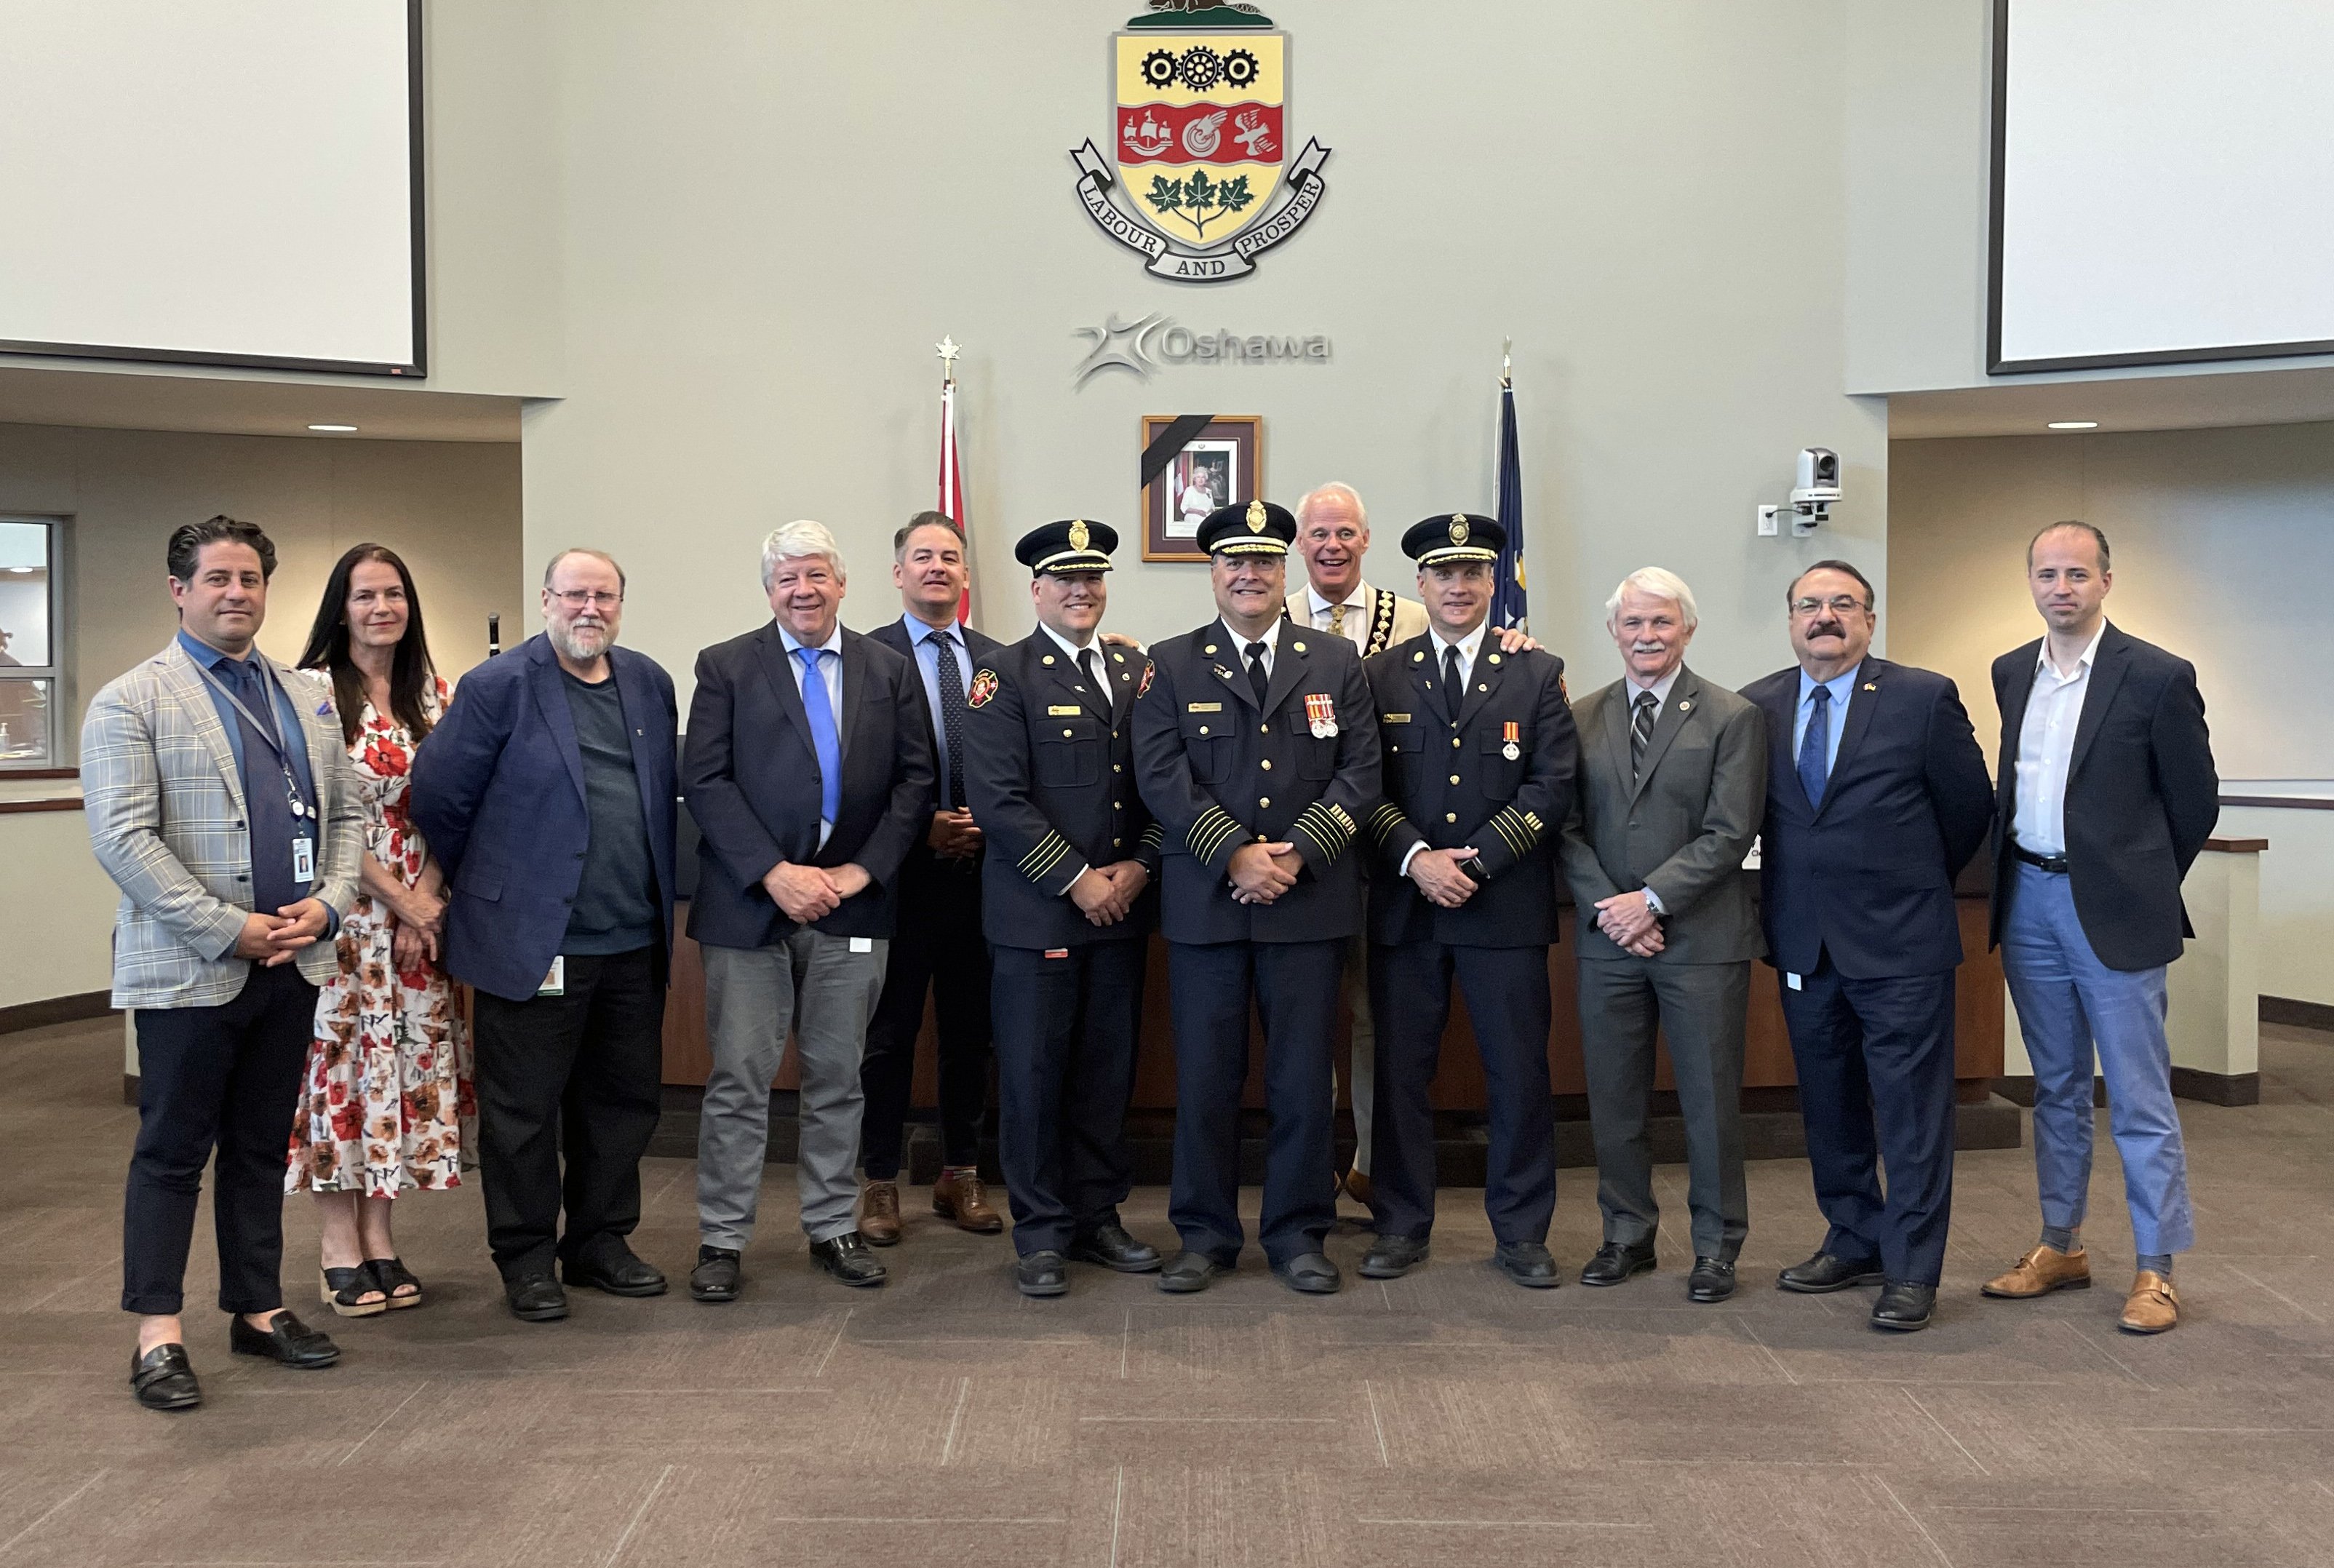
column 1458, row 528
column 1255, row 517
column 1078, row 535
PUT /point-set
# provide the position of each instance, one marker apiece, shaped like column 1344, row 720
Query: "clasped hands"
column 811, row 893
column 419, row 926
column 1261, row 873
column 952, row 835
column 1631, row 923
column 1105, row 893
column 269, row 940
column 1438, row 874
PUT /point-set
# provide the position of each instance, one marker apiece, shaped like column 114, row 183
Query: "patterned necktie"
column 1815, row 746
column 824, row 739
column 1336, row 620
column 1641, row 732
column 1452, row 682
column 1257, row 678
column 952, row 684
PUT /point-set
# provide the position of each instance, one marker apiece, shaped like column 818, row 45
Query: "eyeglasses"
column 1838, row 604
column 582, row 598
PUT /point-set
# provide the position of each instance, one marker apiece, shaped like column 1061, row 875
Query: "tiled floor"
column 1445, row 1417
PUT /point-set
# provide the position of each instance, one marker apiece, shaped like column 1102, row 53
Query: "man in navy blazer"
column 809, row 774
column 1876, row 798
column 546, row 792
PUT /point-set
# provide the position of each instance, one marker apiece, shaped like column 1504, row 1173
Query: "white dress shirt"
column 1469, row 646
column 831, row 672
column 1358, row 605
column 2046, row 749
column 1270, row 638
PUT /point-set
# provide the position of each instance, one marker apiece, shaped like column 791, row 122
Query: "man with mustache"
column 1672, row 777
column 547, row 793
column 1876, row 798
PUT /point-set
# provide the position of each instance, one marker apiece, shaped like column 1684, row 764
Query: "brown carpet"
column 1449, row 1417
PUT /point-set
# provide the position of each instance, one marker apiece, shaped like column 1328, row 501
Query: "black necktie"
column 1257, row 677
column 952, row 715
column 1452, row 682
column 1641, row 732
column 1093, row 677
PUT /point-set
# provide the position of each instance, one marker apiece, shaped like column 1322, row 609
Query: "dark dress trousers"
column 500, row 792
column 1049, row 774
column 1219, row 769
column 1856, row 899
column 2142, row 796
column 936, row 949
column 1682, row 830
column 1451, row 782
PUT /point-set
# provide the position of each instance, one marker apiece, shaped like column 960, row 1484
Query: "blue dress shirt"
column 922, row 638
column 271, row 831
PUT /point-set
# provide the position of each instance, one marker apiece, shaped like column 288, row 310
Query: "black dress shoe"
column 1904, row 1306
column 849, row 1258
column 287, row 1342
column 1309, row 1274
column 1045, row 1274
column 1188, row 1271
column 1710, row 1281
column 1824, row 1273
column 620, row 1271
column 717, row 1276
column 535, row 1297
column 164, row 1380
column 1111, row 1247
column 1527, row 1264
column 1391, row 1257
column 1615, row 1262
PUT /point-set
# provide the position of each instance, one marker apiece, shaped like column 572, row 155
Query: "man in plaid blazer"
column 220, row 801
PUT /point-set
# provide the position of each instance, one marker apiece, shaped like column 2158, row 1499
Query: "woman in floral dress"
column 386, row 1103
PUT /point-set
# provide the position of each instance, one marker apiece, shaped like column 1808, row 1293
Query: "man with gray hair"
column 1671, row 786
column 809, row 774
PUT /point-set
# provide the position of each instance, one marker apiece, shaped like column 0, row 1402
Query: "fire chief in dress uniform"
column 1255, row 748
column 1049, row 774
column 1480, row 759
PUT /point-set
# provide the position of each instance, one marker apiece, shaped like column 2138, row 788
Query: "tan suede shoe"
column 1356, row 1183
column 2042, row 1270
column 879, row 1213
column 960, row 1195
column 2151, row 1308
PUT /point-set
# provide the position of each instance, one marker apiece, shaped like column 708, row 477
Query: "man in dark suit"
column 1480, row 758
column 937, row 947
column 546, row 792
column 1673, row 776
column 809, row 773
column 1876, row 798
column 2105, row 792
column 1049, row 747
column 1257, row 750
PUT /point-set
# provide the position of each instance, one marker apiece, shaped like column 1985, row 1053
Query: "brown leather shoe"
column 879, row 1213
column 2151, row 1308
column 958, row 1196
column 1356, row 1183
column 2042, row 1270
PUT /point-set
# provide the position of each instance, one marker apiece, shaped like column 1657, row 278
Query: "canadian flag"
column 951, row 503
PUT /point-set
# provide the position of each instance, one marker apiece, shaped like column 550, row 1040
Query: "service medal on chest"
column 1321, row 709
column 1514, row 734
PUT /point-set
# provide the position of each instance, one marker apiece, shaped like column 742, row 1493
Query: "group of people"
column 1334, row 796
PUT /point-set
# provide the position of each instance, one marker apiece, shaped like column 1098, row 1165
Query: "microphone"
column 494, row 635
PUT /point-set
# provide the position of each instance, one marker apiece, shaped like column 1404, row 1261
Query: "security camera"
column 1818, row 488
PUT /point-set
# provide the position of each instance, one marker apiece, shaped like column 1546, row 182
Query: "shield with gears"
column 1201, row 133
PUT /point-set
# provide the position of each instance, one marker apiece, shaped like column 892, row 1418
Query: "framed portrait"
column 1221, row 465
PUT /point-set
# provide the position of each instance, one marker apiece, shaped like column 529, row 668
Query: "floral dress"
column 386, row 1101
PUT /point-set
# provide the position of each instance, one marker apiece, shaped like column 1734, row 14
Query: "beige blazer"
column 1393, row 619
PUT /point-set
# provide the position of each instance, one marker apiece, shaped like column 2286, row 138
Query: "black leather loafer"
column 1391, row 1257
column 287, row 1342
column 164, row 1380
column 1824, row 1273
column 1188, row 1271
column 536, row 1298
column 620, row 1271
column 849, row 1258
column 1045, row 1274
column 1113, row 1248
column 1309, row 1274
column 1710, row 1281
column 1615, row 1262
column 717, row 1276
column 1904, row 1306
column 1528, row 1264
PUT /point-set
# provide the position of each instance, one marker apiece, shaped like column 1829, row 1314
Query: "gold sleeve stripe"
column 1152, row 836
column 1518, row 830
column 1214, row 828
column 1383, row 821
column 1327, row 827
column 1049, row 853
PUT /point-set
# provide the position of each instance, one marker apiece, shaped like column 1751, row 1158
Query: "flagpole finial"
column 947, row 350
column 1507, row 363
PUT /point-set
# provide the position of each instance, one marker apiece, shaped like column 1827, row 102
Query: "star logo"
column 1120, row 346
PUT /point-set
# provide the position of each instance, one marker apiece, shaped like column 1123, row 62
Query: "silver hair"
column 604, row 555
column 1337, row 489
column 1659, row 583
column 794, row 541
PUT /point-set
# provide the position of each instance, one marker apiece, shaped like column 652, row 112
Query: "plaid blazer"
column 164, row 800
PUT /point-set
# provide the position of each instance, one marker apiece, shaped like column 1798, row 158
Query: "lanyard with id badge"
column 304, row 815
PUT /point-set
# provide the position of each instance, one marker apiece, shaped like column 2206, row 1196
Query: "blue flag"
column 1508, row 606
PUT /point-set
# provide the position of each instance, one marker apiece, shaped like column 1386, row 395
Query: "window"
column 31, row 661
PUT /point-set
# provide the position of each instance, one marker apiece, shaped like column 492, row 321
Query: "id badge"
column 303, row 860
column 555, row 982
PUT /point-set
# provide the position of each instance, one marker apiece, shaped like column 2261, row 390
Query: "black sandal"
column 392, row 1275
column 342, row 1290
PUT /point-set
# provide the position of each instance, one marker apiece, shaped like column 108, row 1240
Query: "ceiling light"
column 334, row 429
column 2055, row 424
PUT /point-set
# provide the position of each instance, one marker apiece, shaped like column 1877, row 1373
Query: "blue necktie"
column 824, row 739
column 1815, row 746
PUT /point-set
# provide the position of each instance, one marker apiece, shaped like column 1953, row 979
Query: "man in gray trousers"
column 1672, row 785
column 808, row 770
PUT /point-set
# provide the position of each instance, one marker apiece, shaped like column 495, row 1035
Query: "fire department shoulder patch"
column 984, row 687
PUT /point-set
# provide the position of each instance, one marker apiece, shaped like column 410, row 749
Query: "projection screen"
column 231, row 183
column 2163, row 181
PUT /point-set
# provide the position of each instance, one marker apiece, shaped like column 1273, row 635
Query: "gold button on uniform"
column 1454, row 778
column 1454, row 740
column 1451, row 816
column 1266, row 802
column 1203, row 730
column 1068, row 733
column 1266, row 764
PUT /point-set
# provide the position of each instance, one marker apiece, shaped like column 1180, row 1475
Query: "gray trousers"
column 1701, row 1008
column 1362, row 1070
column 814, row 984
